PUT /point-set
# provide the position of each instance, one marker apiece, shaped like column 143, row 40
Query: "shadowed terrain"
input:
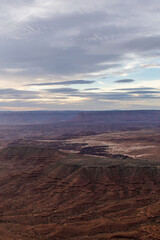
column 47, row 194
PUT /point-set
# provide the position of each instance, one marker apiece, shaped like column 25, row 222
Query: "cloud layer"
column 98, row 46
column 62, row 83
column 124, row 81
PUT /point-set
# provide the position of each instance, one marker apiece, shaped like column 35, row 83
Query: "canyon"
column 67, row 183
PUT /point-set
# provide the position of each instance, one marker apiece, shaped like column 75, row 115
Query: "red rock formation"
column 45, row 194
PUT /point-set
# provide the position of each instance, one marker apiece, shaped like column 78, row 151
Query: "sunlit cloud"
column 49, row 47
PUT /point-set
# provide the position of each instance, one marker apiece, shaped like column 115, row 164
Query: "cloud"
column 10, row 93
column 56, row 99
column 62, row 90
column 91, row 89
column 136, row 89
column 62, row 83
column 124, row 81
column 87, row 39
column 145, row 91
column 146, row 44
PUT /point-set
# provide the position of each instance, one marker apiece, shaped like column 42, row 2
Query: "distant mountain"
column 146, row 117
column 35, row 117
column 132, row 118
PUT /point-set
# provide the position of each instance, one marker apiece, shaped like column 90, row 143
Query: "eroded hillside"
column 46, row 194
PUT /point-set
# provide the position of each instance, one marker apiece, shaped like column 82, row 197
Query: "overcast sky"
column 79, row 54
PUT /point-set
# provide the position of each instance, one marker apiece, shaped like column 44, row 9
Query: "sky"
column 79, row 55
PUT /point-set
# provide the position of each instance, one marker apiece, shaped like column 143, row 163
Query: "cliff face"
column 45, row 194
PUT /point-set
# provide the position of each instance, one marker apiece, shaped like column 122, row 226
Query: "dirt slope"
column 46, row 194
